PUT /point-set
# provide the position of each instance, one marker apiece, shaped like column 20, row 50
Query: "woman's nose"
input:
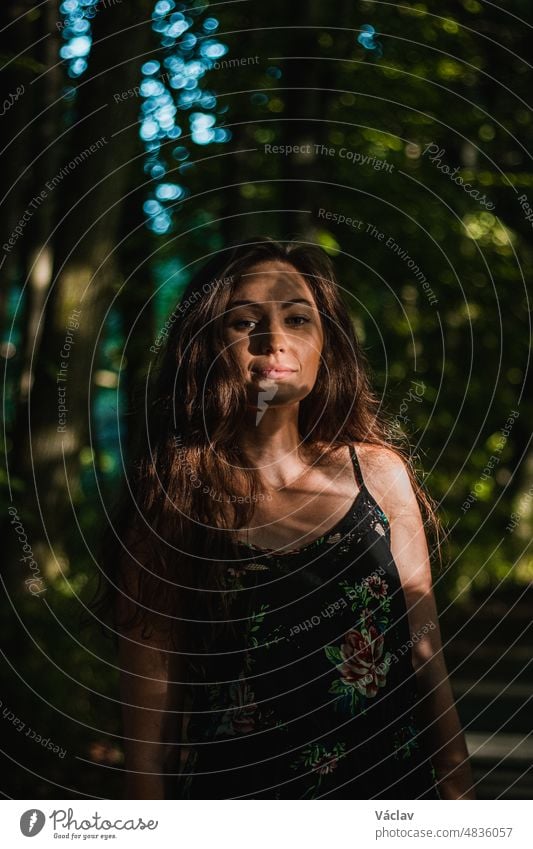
column 273, row 339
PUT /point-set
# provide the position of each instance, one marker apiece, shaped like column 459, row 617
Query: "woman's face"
column 268, row 330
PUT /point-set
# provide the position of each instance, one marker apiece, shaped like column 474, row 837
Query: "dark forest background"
column 133, row 147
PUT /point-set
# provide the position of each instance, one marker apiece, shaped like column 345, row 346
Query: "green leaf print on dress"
column 360, row 659
column 321, row 761
column 241, row 715
column 256, row 620
column 404, row 741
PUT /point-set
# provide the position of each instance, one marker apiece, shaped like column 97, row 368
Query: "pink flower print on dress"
column 375, row 585
column 326, row 764
column 322, row 760
column 363, row 665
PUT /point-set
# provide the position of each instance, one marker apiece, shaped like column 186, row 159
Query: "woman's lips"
column 273, row 372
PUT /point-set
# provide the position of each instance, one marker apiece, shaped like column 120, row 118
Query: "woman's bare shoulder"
column 386, row 476
column 379, row 458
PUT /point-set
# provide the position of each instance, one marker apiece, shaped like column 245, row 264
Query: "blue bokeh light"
column 151, row 67
column 210, row 24
column 76, row 34
column 367, row 39
column 168, row 191
column 190, row 49
column 190, row 54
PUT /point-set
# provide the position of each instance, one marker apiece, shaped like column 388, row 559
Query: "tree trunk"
column 104, row 159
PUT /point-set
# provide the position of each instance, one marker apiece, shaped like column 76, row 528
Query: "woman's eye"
column 293, row 318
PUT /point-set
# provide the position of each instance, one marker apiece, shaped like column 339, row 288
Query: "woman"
column 277, row 629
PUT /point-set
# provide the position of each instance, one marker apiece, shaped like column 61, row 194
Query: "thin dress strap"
column 357, row 468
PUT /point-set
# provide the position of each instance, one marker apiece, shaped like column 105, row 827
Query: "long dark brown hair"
column 188, row 485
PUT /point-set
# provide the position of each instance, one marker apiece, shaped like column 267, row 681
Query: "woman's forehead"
column 272, row 276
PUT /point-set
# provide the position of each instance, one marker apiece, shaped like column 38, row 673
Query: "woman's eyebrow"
column 283, row 303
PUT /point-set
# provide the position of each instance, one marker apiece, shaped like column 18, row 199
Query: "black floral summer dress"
column 315, row 698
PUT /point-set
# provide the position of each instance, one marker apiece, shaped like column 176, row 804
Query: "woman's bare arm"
column 150, row 674
column 438, row 715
